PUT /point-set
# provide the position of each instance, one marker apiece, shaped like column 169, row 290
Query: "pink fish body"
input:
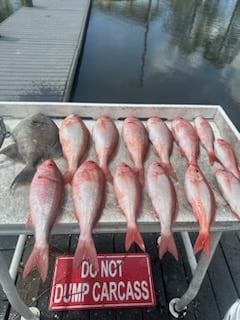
column 74, row 138
column 105, row 136
column 164, row 200
column 162, row 140
column 128, row 194
column 202, row 200
column 186, row 138
column 88, row 187
column 226, row 156
column 136, row 139
column 45, row 199
column 206, row 136
column 229, row 186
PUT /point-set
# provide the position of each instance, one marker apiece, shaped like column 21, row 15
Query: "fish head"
column 70, row 120
column 156, row 169
column 48, row 168
column 103, row 120
column 123, row 169
column 194, row 173
column 154, row 120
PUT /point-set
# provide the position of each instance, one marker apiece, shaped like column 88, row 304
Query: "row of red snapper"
column 88, row 181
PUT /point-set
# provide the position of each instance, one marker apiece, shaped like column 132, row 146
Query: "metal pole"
column 189, row 251
column 12, row 294
column 27, row 3
column 178, row 306
column 17, row 256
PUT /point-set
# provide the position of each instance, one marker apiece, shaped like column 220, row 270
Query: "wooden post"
column 27, row 3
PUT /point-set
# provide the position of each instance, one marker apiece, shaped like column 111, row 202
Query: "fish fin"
column 140, row 174
column 39, row 259
column 169, row 170
column 55, row 151
column 203, row 242
column 167, row 244
column 134, row 236
column 25, row 176
column 11, row 151
column 68, row 176
column 86, row 251
column 212, row 158
column 107, row 173
column 29, row 223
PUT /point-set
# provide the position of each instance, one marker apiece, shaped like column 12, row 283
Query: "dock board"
column 170, row 280
column 39, row 50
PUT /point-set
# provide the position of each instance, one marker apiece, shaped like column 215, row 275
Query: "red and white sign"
column 123, row 280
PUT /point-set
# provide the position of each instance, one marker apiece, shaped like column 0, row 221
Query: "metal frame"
column 112, row 220
column 178, row 306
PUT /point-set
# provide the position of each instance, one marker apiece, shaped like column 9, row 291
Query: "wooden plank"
column 205, row 306
column 75, row 314
column 4, row 310
column 59, row 245
column 221, row 280
column 104, row 244
column 7, row 247
column 31, row 46
column 129, row 313
column 28, row 288
column 160, row 311
column 175, row 278
column 230, row 245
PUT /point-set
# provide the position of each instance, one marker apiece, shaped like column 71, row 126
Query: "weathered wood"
column 35, row 42
column 160, row 311
column 58, row 245
column 205, row 306
column 230, row 245
column 129, row 313
column 175, row 279
column 221, row 280
column 78, row 314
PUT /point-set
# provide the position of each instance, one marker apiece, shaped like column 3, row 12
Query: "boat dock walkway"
column 39, row 50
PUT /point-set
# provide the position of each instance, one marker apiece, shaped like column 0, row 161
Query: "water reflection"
column 165, row 51
column 7, row 7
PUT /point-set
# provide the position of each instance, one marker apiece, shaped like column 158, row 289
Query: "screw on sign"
column 117, row 284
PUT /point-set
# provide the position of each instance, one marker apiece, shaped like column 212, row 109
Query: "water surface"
column 165, row 51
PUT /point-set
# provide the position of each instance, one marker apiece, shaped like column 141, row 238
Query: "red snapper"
column 45, row 199
column 164, row 200
column 88, row 187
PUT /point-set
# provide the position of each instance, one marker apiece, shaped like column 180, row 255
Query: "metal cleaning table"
column 14, row 207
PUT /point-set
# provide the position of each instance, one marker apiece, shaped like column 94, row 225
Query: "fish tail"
column 86, row 251
column 140, row 173
column 167, row 166
column 134, row 236
column 25, row 176
column 212, row 158
column 68, row 176
column 107, row 173
column 203, row 242
column 39, row 259
column 167, row 244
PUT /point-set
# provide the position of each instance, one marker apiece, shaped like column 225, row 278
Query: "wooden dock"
column 218, row 292
column 39, row 50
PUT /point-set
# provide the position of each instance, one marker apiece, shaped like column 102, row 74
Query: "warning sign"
column 123, row 280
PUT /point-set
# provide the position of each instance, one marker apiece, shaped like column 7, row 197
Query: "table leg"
column 178, row 306
column 12, row 294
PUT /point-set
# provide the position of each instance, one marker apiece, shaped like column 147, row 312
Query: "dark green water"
column 166, row 51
